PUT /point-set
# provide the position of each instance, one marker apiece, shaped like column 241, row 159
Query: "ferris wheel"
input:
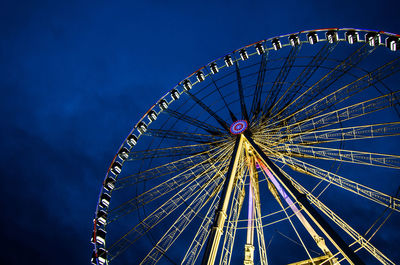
column 283, row 151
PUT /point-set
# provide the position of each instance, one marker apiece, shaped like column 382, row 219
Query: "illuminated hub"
column 238, row 127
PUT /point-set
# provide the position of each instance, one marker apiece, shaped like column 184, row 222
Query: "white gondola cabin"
column 260, row 48
column 312, row 37
column 105, row 200
column 132, row 140
column 243, row 54
column 294, row 40
column 228, row 60
column 214, row 68
column 163, row 104
column 200, row 76
column 352, row 36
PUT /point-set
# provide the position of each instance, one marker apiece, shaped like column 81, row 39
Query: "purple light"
column 283, row 193
column 250, row 216
column 250, row 210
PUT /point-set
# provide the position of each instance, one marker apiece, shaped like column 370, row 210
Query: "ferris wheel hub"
column 238, row 127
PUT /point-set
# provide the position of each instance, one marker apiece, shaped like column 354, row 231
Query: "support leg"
column 220, row 216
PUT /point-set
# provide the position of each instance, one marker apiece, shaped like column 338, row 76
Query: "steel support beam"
column 329, row 232
column 220, row 215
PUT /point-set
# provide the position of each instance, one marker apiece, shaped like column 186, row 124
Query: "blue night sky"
column 76, row 76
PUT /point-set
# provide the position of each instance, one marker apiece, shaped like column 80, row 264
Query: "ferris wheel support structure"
column 329, row 232
column 217, row 229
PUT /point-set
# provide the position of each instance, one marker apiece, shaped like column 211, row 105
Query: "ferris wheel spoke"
column 184, row 150
column 202, row 233
column 256, row 103
column 191, row 211
column 327, row 80
column 139, row 230
column 166, row 169
column 341, row 182
column 240, row 88
column 221, row 121
column 161, row 190
column 197, row 171
column 192, row 121
column 344, row 114
column 210, row 75
column 183, row 136
column 279, row 81
column 345, row 92
column 302, row 79
column 350, row 156
column 364, row 243
column 344, row 134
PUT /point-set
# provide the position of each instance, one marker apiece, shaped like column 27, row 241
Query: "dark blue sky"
column 76, row 76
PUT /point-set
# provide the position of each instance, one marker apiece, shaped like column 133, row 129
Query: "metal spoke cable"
column 256, row 104
column 183, row 136
column 342, row 134
column 297, row 243
column 184, row 150
column 206, row 191
column 326, row 81
column 222, row 97
column 341, row 94
column 341, row 115
column 241, row 95
column 192, row 121
column 158, row 215
column 342, row 224
column 202, row 233
column 279, row 81
column 341, row 182
column 376, row 221
column 350, row 156
column 221, row 121
column 305, row 75
column 167, row 168
column 171, row 184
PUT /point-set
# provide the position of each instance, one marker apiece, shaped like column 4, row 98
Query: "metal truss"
column 186, row 150
column 171, row 184
column 339, row 95
column 342, row 134
column 326, row 81
column 183, row 136
column 168, row 168
column 356, row 157
column 342, row 224
column 139, row 230
column 202, row 233
column 349, row 185
column 183, row 221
